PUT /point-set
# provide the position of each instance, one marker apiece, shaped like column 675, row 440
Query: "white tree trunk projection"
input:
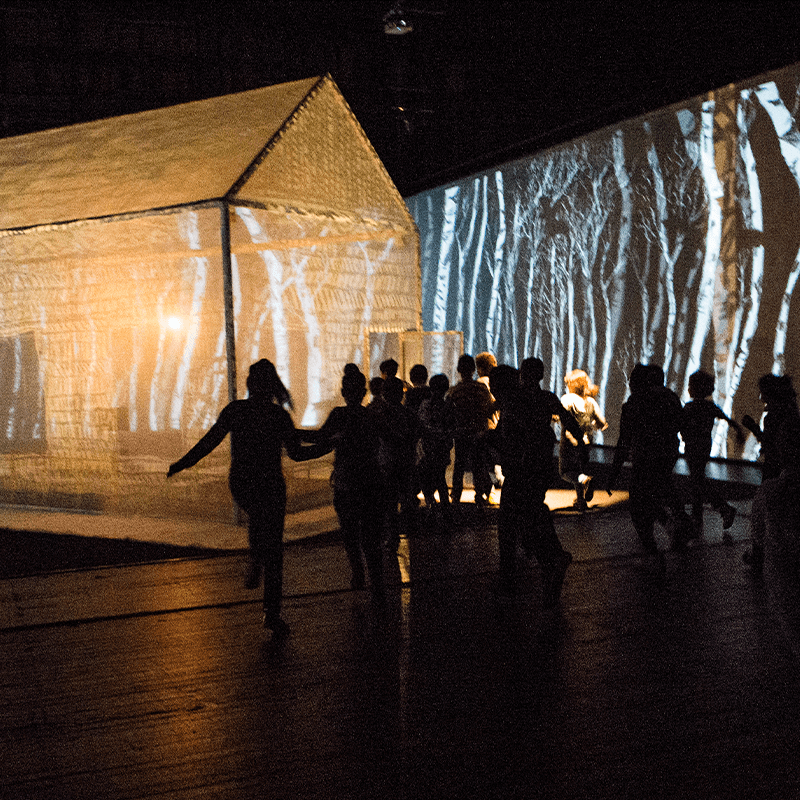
column 747, row 310
column 275, row 280
column 496, row 269
column 445, row 260
column 789, row 138
column 157, row 398
column 613, row 285
column 191, row 233
column 705, row 298
column 642, row 243
column 369, row 288
column 476, row 267
column 311, row 415
column 463, row 253
column 306, row 300
column 668, row 255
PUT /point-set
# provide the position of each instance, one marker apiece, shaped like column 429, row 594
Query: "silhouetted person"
column 389, row 368
column 775, row 524
column 524, row 441
column 436, row 442
column 419, row 390
column 351, row 369
column 573, row 461
column 359, row 484
column 485, row 362
column 697, row 426
column 781, row 420
column 471, row 407
column 259, row 427
column 648, row 435
column 399, row 456
column 780, row 434
column 376, row 390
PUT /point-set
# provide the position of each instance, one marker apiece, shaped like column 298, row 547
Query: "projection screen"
column 670, row 239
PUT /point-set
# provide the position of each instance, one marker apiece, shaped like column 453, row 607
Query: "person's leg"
column 409, row 502
column 664, row 490
column 427, row 480
column 541, row 541
column 507, row 537
column 266, row 547
column 246, row 498
column 370, row 540
column 697, row 476
column 273, row 569
column 642, row 509
column 573, row 476
column 758, row 531
column 705, row 491
column 481, row 466
column 460, row 458
column 347, row 512
column 440, row 484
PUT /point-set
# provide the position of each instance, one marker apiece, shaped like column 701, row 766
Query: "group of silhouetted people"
column 499, row 427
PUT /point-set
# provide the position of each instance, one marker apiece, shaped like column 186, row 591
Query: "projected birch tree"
column 671, row 239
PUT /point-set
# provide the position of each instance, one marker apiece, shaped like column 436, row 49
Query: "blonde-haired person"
column 573, row 461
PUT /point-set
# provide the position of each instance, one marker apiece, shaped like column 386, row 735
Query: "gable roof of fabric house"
column 296, row 143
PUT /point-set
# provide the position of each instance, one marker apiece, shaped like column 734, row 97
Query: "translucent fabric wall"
column 305, row 302
column 113, row 344
column 672, row 239
column 113, row 357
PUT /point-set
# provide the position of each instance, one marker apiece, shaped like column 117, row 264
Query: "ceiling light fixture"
column 395, row 23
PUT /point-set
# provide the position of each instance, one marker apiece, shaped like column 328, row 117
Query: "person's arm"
column 567, row 419
column 732, row 423
column 599, row 420
column 487, row 401
column 751, row 425
column 293, row 441
column 218, row 431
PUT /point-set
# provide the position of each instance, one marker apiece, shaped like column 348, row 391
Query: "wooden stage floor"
column 157, row 681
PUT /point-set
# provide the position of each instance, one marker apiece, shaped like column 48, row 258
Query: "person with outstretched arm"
column 260, row 427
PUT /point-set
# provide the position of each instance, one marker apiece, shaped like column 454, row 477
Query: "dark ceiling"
column 474, row 83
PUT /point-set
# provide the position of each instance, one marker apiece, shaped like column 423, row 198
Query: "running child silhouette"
column 260, row 428
column 697, row 425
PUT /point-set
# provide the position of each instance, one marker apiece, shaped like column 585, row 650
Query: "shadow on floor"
column 24, row 553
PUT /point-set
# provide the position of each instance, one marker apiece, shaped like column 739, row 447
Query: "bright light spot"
column 174, row 323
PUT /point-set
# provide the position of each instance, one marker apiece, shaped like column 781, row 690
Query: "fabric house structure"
column 148, row 260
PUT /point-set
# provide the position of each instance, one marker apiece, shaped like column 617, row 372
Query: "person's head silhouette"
column 531, row 372
column 263, row 383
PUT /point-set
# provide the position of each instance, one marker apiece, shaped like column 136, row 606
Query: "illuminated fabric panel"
column 671, row 239
column 322, row 161
column 306, row 307
column 116, row 327
column 153, row 159
column 121, row 362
